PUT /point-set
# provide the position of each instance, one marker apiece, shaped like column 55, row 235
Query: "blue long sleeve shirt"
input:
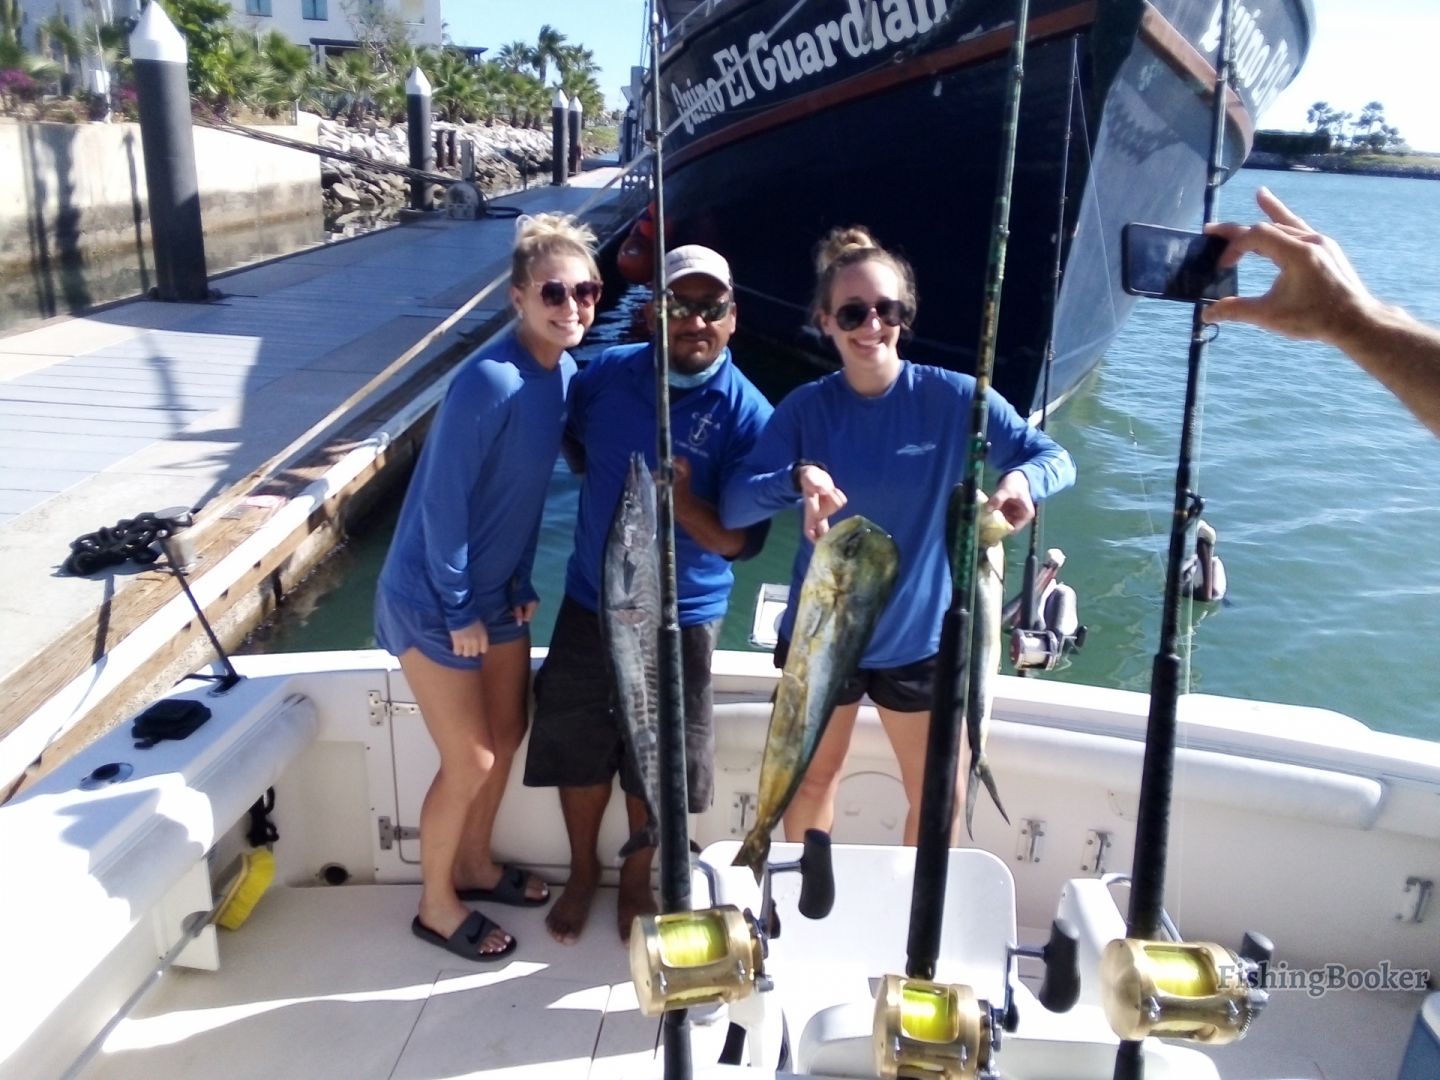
column 896, row 457
column 465, row 542
column 613, row 414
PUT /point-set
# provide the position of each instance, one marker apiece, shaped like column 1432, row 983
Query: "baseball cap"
column 697, row 259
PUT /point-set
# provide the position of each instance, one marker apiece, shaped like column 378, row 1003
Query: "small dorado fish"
column 847, row 585
column 985, row 620
column 630, row 622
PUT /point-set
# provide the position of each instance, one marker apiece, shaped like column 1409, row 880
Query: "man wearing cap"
column 716, row 414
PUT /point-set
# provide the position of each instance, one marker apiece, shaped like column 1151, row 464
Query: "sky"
column 1363, row 51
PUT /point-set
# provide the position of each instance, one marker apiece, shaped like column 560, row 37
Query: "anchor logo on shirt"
column 701, row 427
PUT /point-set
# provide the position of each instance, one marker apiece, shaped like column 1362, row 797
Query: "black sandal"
column 466, row 940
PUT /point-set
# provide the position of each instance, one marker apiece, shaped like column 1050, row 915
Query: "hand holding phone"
column 1173, row 264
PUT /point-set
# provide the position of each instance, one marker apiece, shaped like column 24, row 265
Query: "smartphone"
column 1174, row 264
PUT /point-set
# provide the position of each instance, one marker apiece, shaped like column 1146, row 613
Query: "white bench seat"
column 86, row 869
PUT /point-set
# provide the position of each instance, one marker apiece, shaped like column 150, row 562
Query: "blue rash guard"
column 896, row 457
column 465, row 542
column 612, row 415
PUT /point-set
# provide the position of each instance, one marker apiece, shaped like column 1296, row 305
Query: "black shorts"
column 907, row 688
column 576, row 738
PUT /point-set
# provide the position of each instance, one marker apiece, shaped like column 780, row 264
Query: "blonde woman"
column 454, row 600
column 887, row 439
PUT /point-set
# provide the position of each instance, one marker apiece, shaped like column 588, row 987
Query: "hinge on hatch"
column 382, row 709
column 1415, row 899
column 742, row 812
column 390, row 833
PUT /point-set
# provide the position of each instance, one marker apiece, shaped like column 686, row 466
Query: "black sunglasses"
column 891, row 312
column 709, row 310
column 555, row 293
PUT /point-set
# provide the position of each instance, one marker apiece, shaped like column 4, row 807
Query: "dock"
column 245, row 409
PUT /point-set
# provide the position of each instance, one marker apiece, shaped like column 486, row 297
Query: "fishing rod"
column 674, row 796
column 1146, row 916
column 942, row 757
column 1029, row 617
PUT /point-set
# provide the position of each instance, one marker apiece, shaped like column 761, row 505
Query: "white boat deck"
column 372, row 1000
column 329, row 982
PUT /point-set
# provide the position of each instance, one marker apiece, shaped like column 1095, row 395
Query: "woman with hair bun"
column 454, row 599
column 885, row 438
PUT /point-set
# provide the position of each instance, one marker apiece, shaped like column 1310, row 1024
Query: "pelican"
column 1203, row 575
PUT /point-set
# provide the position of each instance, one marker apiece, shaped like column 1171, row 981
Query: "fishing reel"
column 689, row 958
column 1041, row 638
column 926, row 1028
column 1197, row 992
column 717, row 955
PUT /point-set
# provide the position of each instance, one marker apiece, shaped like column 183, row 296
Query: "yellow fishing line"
column 691, row 942
column 1179, row 971
column 928, row 1014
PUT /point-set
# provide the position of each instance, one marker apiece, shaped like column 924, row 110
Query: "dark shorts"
column 575, row 736
column 401, row 624
column 907, row 688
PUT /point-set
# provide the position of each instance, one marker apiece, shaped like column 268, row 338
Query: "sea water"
column 1324, row 491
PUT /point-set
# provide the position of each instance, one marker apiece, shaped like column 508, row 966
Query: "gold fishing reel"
column 1198, row 992
column 925, row 1028
column 689, row 958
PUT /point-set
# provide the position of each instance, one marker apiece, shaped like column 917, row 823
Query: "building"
column 327, row 26
column 324, row 25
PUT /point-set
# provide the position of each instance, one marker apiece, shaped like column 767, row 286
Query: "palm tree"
column 515, row 56
column 290, row 77
column 56, row 34
column 583, row 85
column 549, row 44
column 351, row 84
column 9, row 26
column 455, row 86
column 576, row 59
column 1373, row 115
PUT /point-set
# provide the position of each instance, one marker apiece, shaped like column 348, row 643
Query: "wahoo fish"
column 986, row 618
column 630, row 623
column 851, row 574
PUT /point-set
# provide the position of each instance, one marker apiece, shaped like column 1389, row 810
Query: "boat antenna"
column 1152, row 824
column 1030, row 599
column 942, row 757
column 674, row 797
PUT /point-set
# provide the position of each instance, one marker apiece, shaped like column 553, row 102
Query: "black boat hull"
column 906, row 139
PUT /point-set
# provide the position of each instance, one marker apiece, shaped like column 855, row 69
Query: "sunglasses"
column 891, row 312
column 709, row 310
column 555, row 293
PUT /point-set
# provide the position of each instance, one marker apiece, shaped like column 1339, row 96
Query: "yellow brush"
column 257, row 871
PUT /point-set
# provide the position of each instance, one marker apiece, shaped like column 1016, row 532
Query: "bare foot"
column 636, row 898
column 566, row 918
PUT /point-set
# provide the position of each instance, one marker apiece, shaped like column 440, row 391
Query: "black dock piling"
column 559, row 126
column 577, row 115
column 163, row 96
column 417, row 115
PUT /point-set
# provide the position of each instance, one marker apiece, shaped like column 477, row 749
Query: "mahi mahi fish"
column 851, row 574
column 630, row 621
column 986, row 618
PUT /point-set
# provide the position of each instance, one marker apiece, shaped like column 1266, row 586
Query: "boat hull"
column 906, row 139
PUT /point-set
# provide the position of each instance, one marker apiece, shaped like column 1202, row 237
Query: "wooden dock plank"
column 191, row 401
